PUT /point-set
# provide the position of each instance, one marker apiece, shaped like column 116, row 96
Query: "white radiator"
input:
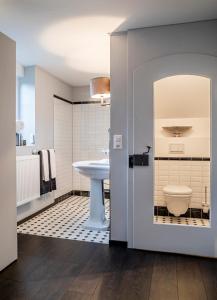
column 28, row 178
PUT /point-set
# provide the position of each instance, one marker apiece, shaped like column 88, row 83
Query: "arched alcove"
column 182, row 150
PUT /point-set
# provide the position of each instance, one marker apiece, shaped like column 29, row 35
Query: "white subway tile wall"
column 63, row 146
column 91, row 123
column 195, row 174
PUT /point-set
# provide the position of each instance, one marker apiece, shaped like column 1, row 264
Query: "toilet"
column 177, row 198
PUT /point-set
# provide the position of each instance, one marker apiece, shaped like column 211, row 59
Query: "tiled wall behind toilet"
column 195, row 174
column 91, row 123
column 194, row 171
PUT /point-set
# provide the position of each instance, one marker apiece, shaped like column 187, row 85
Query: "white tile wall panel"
column 63, row 146
column 195, row 174
column 90, row 136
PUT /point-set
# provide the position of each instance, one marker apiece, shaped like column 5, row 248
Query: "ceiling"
column 69, row 38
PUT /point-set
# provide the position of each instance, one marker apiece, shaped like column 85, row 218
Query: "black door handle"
column 148, row 149
column 138, row 160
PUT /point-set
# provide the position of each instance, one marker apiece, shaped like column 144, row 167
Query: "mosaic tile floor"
column 64, row 220
column 181, row 221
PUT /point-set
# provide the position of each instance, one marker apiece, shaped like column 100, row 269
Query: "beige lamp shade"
column 100, row 87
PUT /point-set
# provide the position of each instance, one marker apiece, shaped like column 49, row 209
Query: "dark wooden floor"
column 53, row 269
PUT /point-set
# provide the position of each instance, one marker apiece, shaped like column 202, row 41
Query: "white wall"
column 118, row 120
column 182, row 96
column 81, row 93
column 129, row 51
column 195, row 141
column 91, row 123
column 19, row 70
column 46, row 86
column 8, row 233
column 63, row 146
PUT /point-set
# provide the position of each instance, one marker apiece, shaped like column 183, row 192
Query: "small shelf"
column 176, row 131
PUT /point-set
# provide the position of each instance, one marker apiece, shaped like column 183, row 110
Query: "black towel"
column 52, row 180
column 46, row 186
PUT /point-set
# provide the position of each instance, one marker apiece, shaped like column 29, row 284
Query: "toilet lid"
column 177, row 190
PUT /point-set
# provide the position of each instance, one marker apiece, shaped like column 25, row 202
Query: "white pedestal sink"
column 97, row 171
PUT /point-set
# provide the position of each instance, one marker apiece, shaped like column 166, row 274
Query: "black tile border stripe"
column 86, row 102
column 183, row 158
column 87, row 193
column 190, row 213
column 76, row 102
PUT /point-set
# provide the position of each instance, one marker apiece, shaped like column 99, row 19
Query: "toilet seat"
column 177, row 190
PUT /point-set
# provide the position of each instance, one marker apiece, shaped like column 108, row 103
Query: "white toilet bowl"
column 177, row 198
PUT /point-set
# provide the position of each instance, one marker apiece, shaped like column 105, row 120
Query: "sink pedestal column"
column 97, row 219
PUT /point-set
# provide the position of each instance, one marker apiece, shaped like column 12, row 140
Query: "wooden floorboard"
column 190, row 281
column 208, row 269
column 137, row 274
column 57, row 269
column 164, row 283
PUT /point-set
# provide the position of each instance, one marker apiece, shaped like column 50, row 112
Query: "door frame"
column 142, row 84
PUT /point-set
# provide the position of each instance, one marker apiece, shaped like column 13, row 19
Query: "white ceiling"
column 69, row 38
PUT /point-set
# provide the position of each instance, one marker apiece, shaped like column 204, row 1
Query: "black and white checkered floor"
column 64, row 220
column 181, row 221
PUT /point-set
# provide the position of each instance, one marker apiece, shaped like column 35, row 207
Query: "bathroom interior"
column 78, row 124
column 182, row 157
column 77, row 219
column 81, row 130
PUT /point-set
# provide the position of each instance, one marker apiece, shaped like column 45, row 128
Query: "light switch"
column 117, row 141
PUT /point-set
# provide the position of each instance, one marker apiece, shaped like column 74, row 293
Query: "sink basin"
column 97, row 171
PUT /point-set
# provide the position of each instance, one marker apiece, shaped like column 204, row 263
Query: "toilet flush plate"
column 176, row 148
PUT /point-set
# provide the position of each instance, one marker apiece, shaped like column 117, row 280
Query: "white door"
column 143, row 232
column 63, row 146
